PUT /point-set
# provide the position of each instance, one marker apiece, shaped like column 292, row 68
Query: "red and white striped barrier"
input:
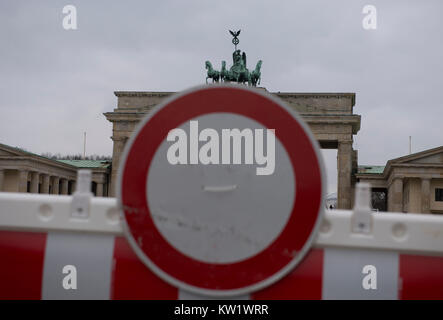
column 39, row 237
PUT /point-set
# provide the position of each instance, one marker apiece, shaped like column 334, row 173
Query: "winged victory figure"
column 235, row 34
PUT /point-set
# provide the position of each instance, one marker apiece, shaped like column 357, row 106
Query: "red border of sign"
column 308, row 191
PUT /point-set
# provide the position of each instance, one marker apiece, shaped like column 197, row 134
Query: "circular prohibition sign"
column 196, row 241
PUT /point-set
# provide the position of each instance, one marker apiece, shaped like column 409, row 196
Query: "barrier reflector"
column 421, row 277
column 344, row 274
column 91, row 256
column 304, row 282
column 133, row 280
column 21, row 264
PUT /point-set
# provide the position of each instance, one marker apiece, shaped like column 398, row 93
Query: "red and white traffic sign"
column 209, row 222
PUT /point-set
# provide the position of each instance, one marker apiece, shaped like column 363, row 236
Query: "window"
column 438, row 194
column 379, row 199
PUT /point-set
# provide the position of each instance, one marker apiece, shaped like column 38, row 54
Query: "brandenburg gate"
column 329, row 115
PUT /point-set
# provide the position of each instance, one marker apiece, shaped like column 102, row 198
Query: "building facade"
column 413, row 183
column 22, row 171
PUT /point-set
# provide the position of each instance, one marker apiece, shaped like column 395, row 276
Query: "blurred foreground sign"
column 221, row 188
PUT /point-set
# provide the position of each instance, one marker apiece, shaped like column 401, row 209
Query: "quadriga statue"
column 238, row 72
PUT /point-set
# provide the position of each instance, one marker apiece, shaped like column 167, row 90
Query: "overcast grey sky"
column 55, row 84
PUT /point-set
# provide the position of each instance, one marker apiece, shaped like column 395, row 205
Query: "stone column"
column 344, row 170
column 64, row 186
column 34, row 182
column 99, row 191
column 119, row 144
column 426, row 195
column 2, row 178
column 23, row 181
column 45, row 184
column 55, row 185
column 397, row 195
column 73, row 186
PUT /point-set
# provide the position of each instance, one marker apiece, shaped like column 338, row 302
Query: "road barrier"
column 357, row 254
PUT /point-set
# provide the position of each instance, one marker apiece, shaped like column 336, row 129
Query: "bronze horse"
column 212, row 73
column 255, row 76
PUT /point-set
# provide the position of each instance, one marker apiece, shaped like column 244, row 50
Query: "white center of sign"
column 220, row 213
